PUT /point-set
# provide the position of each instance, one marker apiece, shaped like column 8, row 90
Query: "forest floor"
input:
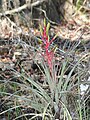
column 19, row 54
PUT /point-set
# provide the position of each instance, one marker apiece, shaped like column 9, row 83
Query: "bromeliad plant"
column 46, row 43
column 47, row 100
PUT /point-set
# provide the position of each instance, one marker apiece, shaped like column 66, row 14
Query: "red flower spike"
column 48, row 55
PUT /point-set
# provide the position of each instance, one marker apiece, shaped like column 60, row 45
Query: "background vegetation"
column 44, row 60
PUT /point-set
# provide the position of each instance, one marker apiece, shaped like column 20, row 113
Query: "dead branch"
column 9, row 12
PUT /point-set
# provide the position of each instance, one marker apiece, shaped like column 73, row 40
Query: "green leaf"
column 41, row 30
column 61, row 76
column 67, row 114
column 42, row 91
column 39, row 41
column 44, row 22
column 47, row 29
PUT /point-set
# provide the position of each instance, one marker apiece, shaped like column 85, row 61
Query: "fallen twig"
column 9, row 12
